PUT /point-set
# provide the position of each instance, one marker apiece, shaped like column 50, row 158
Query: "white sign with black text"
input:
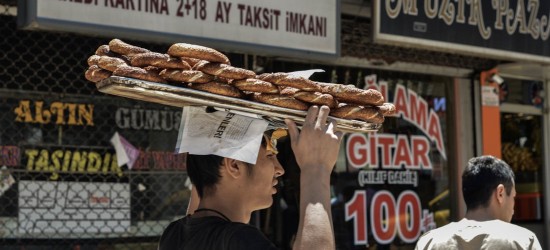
column 51, row 209
column 306, row 26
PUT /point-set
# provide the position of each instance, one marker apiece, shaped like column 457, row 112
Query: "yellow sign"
column 71, row 161
column 58, row 112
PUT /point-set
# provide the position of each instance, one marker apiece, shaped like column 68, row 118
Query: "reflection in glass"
column 522, row 92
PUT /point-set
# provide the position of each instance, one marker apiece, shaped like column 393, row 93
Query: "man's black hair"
column 204, row 171
column 481, row 177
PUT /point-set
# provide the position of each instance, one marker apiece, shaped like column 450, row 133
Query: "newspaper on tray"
column 222, row 133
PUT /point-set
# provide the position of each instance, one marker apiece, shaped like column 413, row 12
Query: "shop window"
column 514, row 91
column 421, row 126
column 391, row 186
column 522, row 140
column 522, row 150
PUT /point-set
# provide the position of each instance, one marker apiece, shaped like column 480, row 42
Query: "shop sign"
column 285, row 27
column 393, row 159
column 56, row 161
column 414, row 109
column 70, row 160
column 503, row 29
column 389, row 217
column 9, row 156
column 147, row 119
column 59, row 113
column 56, row 209
column 490, row 96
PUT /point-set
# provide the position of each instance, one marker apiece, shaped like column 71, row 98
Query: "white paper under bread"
column 306, row 73
column 220, row 133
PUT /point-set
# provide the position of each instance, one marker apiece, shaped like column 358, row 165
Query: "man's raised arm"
column 316, row 149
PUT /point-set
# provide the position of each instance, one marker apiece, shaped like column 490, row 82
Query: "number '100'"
column 387, row 216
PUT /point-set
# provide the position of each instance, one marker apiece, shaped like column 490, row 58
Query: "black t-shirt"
column 212, row 233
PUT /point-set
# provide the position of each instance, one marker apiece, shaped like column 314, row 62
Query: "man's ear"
column 500, row 193
column 232, row 167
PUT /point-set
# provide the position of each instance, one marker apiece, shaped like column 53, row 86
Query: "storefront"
column 390, row 186
column 62, row 184
column 65, row 184
column 524, row 140
column 508, row 98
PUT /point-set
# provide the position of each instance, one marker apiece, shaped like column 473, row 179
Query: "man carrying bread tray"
column 230, row 184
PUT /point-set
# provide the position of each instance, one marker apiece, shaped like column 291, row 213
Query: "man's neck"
column 226, row 207
column 482, row 214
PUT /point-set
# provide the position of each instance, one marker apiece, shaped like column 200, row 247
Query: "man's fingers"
column 292, row 130
column 311, row 115
column 331, row 129
column 322, row 117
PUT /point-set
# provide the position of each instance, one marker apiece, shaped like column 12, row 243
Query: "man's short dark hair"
column 204, row 171
column 481, row 177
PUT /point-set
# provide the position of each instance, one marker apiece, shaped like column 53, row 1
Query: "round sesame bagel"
column 96, row 74
column 280, row 101
column 219, row 88
column 194, row 76
column 123, row 48
column 316, row 98
column 355, row 112
column 289, row 80
column 352, row 94
column 110, row 63
column 197, row 51
column 224, row 70
column 387, row 109
column 255, row 85
column 93, row 60
column 159, row 60
column 138, row 73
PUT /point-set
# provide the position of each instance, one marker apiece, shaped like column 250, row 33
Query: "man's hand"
column 316, row 147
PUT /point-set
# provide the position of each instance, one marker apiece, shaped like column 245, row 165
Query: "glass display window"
column 522, row 144
column 391, row 186
column 399, row 176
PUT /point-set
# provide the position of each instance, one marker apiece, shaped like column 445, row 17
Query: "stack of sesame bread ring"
column 205, row 69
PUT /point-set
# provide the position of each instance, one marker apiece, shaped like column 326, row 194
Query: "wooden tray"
column 180, row 96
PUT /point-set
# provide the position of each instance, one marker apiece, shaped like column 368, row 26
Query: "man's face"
column 263, row 179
